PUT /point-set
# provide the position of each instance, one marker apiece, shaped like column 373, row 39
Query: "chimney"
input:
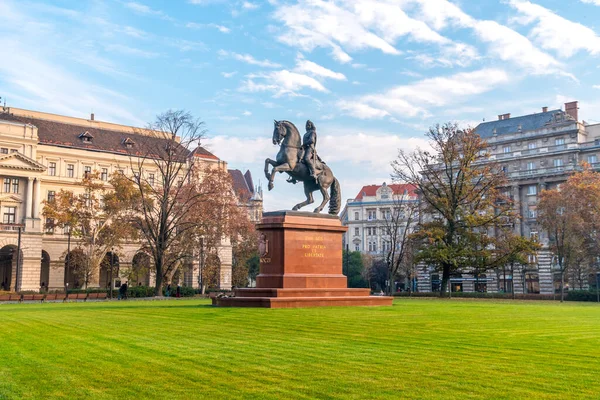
column 500, row 117
column 506, row 116
column 571, row 109
column 544, row 109
column 92, row 117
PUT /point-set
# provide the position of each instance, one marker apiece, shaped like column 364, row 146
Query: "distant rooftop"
column 505, row 124
column 371, row 190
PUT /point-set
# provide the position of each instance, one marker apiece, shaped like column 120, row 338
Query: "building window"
column 505, row 169
column 531, row 190
column 104, row 175
column 52, row 169
column 10, row 215
column 534, row 235
column 151, row 179
column 592, row 159
column 15, row 185
column 6, row 185
column 356, row 232
column 356, row 216
column 532, row 213
column 559, row 141
column 14, row 150
column 70, row 170
column 87, row 170
column 506, row 149
column 372, row 215
column 3, row 150
column 356, row 247
column 558, row 162
column 530, row 166
column 49, row 225
column 51, row 196
column 121, row 171
column 531, row 145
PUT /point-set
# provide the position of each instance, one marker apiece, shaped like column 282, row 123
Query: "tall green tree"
column 459, row 188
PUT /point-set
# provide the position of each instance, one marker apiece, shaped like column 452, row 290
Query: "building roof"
column 64, row 134
column 201, row 152
column 371, row 190
column 524, row 123
column 240, row 183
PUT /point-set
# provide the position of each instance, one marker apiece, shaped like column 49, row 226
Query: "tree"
column 398, row 223
column 571, row 216
column 98, row 218
column 511, row 250
column 460, row 198
column 353, row 265
column 163, row 167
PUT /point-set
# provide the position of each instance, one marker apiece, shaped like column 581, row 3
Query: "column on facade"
column 517, row 204
column 29, row 197
column 37, row 198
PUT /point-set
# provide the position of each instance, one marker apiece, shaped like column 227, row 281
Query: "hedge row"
column 582, row 295
column 479, row 295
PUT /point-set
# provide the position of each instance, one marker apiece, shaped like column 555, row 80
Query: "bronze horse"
column 287, row 136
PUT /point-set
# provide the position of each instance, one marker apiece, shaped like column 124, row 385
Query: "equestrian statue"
column 300, row 160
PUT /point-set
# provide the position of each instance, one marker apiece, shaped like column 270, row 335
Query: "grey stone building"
column 537, row 151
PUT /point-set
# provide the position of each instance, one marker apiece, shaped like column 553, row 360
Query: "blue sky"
column 372, row 75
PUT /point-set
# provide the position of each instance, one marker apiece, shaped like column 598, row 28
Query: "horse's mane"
column 292, row 128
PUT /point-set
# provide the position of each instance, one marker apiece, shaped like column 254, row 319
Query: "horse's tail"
column 335, row 203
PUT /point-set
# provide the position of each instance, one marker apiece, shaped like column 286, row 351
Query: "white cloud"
column 249, row 6
column 248, row 59
column 228, row 74
column 595, row 2
column 281, row 83
column 323, row 24
column 504, row 42
column 134, row 32
column 143, row 9
column 360, row 24
column 596, row 86
column 131, row 51
column 318, row 70
column 361, row 110
column 246, row 113
column 554, row 32
column 220, row 28
column 416, row 98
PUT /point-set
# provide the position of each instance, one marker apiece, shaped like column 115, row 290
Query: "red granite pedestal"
column 301, row 265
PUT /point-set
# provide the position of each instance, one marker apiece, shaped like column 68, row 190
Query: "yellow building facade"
column 42, row 153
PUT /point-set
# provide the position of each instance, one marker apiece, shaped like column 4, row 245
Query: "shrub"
column 582, row 295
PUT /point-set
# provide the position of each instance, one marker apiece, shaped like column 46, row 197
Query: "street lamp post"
column 68, row 259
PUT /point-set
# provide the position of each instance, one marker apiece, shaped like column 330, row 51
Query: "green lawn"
column 188, row 349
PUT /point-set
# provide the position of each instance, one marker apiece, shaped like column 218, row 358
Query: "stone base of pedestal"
column 301, row 266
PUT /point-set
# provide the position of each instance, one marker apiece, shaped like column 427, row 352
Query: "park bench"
column 97, row 296
column 5, row 297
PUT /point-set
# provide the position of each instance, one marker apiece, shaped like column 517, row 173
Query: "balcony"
column 11, row 227
column 530, row 173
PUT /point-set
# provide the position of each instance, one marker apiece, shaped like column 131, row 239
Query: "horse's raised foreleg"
column 272, row 163
column 309, row 199
column 325, row 199
column 279, row 168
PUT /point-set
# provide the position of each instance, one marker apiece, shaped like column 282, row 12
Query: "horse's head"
column 279, row 132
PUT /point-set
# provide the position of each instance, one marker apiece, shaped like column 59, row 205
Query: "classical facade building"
column 249, row 195
column 42, row 153
column 365, row 216
column 537, row 151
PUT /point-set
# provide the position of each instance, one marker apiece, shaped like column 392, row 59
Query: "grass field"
column 188, row 349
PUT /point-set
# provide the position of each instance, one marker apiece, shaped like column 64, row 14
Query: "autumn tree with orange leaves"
column 571, row 216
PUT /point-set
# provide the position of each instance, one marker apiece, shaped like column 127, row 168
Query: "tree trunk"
column 445, row 279
column 512, row 274
column 562, row 286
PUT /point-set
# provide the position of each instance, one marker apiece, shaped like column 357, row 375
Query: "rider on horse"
column 308, row 146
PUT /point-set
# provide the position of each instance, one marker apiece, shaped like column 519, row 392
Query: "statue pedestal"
column 301, row 265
